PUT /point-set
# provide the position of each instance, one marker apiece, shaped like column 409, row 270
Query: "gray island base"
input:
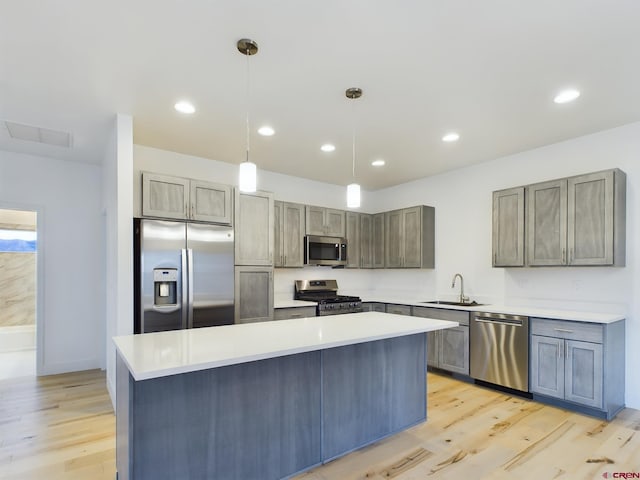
column 270, row 418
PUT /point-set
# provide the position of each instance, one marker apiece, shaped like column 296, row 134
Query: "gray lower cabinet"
column 508, row 228
column 251, row 421
column 447, row 349
column 254, row 294
column 180, row 198
column 353, row 236
column 268, row 419
column 288, row 234
column 325, row 221
column 581, row 363
column 293, row 312
column 398, row 309
column 374, row 307
column 254, row 228
column 371, row 390
column 409, row 238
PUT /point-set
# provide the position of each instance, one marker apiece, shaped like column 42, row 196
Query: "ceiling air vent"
column 38, row 134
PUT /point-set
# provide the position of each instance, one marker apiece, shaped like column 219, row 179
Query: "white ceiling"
column 486, row 69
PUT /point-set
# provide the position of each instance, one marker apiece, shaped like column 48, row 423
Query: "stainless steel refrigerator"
column 183, row 275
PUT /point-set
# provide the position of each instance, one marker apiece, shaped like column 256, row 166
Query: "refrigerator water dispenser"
column 165, row 286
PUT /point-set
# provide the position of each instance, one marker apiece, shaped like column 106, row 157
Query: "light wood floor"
column 63, row 427
column 57, row 427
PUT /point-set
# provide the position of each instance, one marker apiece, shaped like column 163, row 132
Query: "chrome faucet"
column 463, row 299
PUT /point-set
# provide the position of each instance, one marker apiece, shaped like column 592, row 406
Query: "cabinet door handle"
column 560, row 345
column 563, row 255
column 571, row 255
column 285, row 260
column 566, row 350
column 564, row 330
column 495, row 258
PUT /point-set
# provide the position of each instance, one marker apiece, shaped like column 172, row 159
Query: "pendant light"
column 353, row 189
column 247, row 175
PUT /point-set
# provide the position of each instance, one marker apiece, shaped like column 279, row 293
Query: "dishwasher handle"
column 500, row 319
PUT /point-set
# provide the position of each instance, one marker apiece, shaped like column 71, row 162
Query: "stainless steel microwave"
column 330, row 251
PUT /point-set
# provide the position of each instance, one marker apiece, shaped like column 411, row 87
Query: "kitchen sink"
column 458, row 304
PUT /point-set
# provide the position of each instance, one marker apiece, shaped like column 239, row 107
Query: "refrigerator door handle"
column 185, row 288
column 190, row 288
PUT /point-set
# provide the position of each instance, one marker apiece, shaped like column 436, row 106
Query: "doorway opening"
column 18, row 293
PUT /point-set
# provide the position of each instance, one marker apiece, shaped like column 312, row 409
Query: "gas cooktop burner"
column 340, row 298
column 325, row 293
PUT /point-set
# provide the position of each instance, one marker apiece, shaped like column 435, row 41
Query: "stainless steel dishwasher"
column 499, row 349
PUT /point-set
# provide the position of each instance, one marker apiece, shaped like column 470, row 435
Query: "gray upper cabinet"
column 578, row 220
column 254, row 228
column 325, row 221
column 596, row 219
column 393, row 237
column 377, row 241
column 210, row 202
column 366, row 240
column 508, row 228
column 165, row 196
column 547, row 223
column 353, row 237
column 179, row 198
column 254, row 294
column 409, row 238
column 289, row 228
column 413, row 237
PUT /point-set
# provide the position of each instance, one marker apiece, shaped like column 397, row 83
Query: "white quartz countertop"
column 530, row 311
column 153, row 355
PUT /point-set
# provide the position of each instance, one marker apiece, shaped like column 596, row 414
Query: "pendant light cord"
column 353, row 138
column 248, row 139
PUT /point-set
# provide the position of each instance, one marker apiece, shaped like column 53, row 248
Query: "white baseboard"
column 19, row 337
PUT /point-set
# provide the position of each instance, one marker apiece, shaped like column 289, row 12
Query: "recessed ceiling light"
column 327, row 147
column 377, row 163
column 266, row 131
column 184, row 107
column 451, row 137
column 566, row 96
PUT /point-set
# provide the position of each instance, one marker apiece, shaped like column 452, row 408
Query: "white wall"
column 67, row 196
column 118, row 206
column 462, row 199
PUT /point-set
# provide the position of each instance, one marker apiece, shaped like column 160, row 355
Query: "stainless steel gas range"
column 325, row 293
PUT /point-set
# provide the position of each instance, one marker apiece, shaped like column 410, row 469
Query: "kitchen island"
column 266, row 400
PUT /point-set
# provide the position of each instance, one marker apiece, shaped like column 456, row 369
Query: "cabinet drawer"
column 294, row 312
column 373, row 307
column 398, row 309
column 459, row 316
column 586, row 332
